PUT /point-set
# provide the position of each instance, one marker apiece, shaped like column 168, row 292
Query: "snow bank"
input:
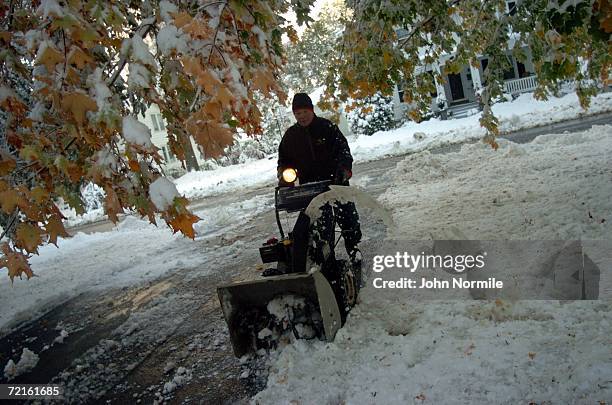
column 397, row 348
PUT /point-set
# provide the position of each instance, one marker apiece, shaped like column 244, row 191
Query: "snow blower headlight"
column 289, row 175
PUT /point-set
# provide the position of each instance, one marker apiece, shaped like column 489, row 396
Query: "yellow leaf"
column 184, row 222
column 50, row 57
column 78, row 104
column 55, row 228
column 28, row 237
column 15, row 262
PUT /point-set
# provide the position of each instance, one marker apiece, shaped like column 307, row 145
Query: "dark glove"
column 342, row 176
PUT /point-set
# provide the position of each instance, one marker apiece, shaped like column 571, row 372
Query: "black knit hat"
column 301, row 100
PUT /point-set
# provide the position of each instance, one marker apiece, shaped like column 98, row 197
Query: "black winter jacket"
column 316, row 151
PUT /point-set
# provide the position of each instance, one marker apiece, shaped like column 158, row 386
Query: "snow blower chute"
column 290, row 299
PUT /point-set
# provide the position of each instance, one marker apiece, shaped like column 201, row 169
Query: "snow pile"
column 478, row 189
column 181, row 377
column 162, row 192
column 137, row 133
column 27, row 362
column 465, row 351
column 414, row 352
column 280, row 306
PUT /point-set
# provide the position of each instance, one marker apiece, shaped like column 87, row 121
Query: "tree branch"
column 123, row 59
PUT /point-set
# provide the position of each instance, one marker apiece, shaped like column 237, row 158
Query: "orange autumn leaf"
column 78, row 104
column 50, row 57
column 15, row 262
column 7, row 164
column 263, row 81
column 214, row 110
column 224, row 96
column 112, row 204
column 184, row 222
column 79, row 58
column 181, row 19
column 211, row 136
column 9, row 199
column 28, row 237
column 55, row 228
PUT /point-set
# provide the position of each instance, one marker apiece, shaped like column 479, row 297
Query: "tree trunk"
column 190, row 158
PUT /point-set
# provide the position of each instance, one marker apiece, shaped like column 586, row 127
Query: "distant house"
column 154, row 120
column 459, row 90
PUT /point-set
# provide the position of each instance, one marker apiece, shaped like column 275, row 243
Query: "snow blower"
column 290, row 300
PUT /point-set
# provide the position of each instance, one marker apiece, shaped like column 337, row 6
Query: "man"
column 318, row 150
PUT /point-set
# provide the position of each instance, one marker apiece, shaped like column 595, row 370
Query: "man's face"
column 303, row 116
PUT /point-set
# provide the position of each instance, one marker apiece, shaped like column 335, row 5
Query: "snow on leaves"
column 75, row 75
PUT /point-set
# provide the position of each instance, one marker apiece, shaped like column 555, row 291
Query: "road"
column 100, row 361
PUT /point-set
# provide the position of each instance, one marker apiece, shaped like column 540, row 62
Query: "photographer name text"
column 434, row 283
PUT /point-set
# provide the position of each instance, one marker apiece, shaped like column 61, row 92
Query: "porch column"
column 440, row 84
column 475, row 72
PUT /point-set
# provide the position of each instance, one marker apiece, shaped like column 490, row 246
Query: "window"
column 168, row 155
column 484, row 63
column 434, row 93
column 512, row 7
column 158, row 122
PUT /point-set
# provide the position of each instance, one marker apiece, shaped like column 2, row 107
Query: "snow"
column 165, row 8
column 171, row 39
column 27, row 362
column 7, row 92
column 524, row 112
column 137, row 133
column 141, row 53
column 99, row 89
column 139, row 76
column 397, row 348
column 162, row 192
column 146, row 253
column 50, row 8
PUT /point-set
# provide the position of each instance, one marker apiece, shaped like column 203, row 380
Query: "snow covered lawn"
column 397, row 349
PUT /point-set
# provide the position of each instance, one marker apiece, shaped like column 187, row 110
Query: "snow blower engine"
column 297, row 298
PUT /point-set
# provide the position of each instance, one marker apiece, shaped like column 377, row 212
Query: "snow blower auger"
column 291, row 300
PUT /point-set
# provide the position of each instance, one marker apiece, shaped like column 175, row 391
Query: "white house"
column 153, row 119
column 459, row 90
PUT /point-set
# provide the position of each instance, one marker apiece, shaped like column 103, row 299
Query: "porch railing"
column 521, row 85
